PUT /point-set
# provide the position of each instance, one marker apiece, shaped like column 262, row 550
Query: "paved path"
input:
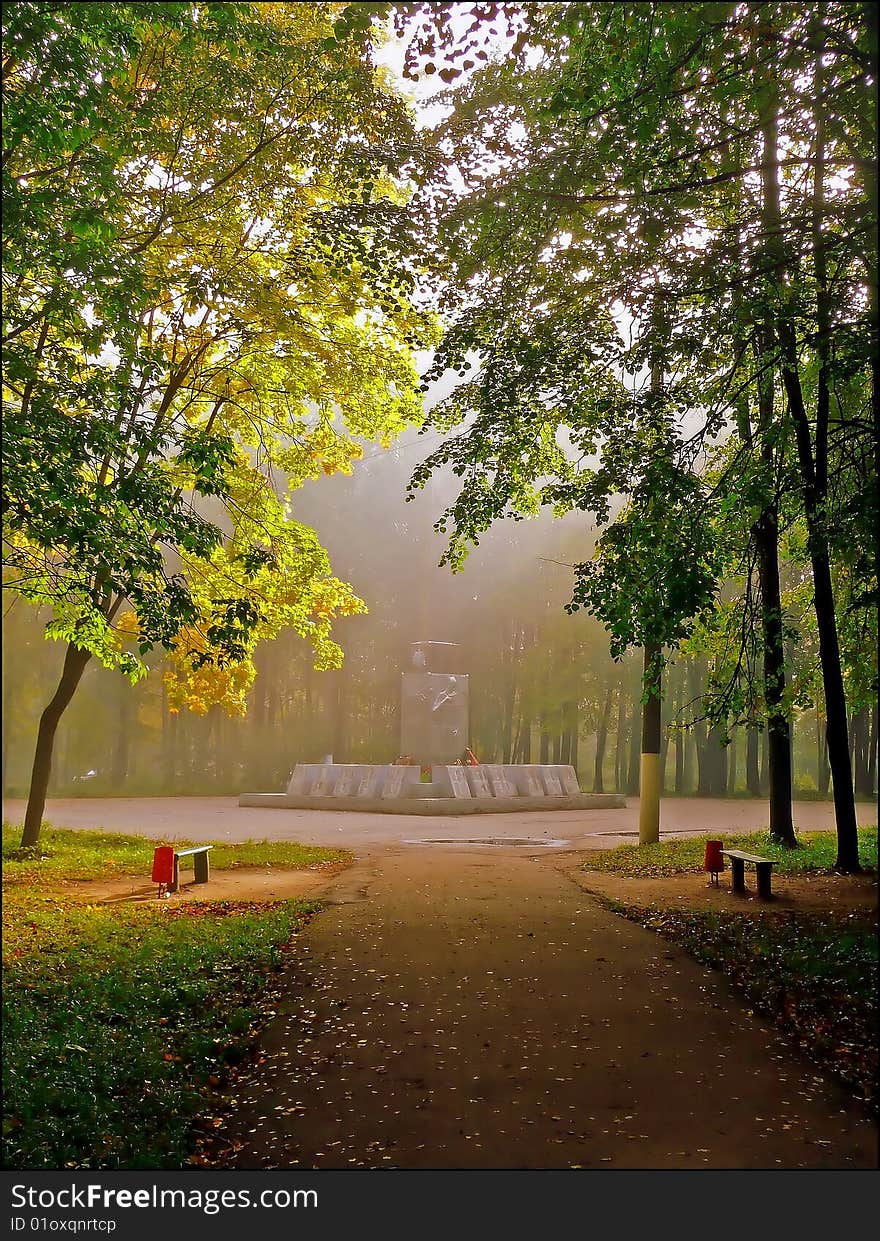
column 457, row 1008
column 221, row 818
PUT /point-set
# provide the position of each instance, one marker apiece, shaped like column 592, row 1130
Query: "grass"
column 815, row 854
column 119, row 1020
column 62, row 853
column 814, row 974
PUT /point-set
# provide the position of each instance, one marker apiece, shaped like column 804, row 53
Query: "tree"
column 613, row 143
column 655, row 570
column 208, row 288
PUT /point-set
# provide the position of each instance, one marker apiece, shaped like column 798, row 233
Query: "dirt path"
column 476, row 1008
column 791, row 893
column 243, row 883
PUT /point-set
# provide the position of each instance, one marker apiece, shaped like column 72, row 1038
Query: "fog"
column 543, row 685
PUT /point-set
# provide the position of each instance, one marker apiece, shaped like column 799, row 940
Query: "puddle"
column 528, row 842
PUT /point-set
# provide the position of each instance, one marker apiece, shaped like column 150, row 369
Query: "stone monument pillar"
column 434, row 705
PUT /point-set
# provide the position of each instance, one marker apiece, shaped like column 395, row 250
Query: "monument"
column 434, row 706
column 435, row 772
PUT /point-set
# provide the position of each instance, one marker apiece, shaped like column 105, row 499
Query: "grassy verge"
column 65, row 854
column 118, row 1020
column 815, row 975
column 815, row 854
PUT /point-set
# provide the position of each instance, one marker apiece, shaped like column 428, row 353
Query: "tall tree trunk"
column 716, row 760
column 696, row 678
column 544, row 749
column 620, row 740
column 765, row 533
column 813, row 468
column 601, row 740
column 121, row 744
column 517, row 733
column 704, row 773
column 635, row 749
column 681, row 737
column 690, row 757
column 182, row 724
column 753, row 775
column 337, row 704
column 207, row 751
column 7, row 718
column 260, row 741
column 871, row 252
column 507, row 722
column 823, row 771
column 75, row 660
column 308, row 697
column 525, row 741
column 832, row 676
column 861, row 746
column 732, row 764
column 650, row 774
column 195, row 728
column 778, row 732
column 168, row 746
column 650, row 779
column 571, row 727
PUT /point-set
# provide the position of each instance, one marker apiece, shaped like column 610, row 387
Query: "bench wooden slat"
column 187, row 852
column 748, row 857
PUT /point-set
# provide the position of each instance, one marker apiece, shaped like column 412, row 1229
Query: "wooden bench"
column 763, row 865
column 201, row 864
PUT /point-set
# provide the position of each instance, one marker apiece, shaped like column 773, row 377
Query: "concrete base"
column 434, row 805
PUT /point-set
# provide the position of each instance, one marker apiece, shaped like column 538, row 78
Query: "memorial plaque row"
column 395, row 781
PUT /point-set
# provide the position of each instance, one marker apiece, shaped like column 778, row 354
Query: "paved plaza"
column 221, row 818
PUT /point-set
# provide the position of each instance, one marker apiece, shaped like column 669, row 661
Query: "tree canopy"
column 650, row 232
column 209, row 271
column 719, row 158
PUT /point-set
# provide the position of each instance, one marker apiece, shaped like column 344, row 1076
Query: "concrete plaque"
column 323, row 786
column 569, row 781
column 394, row 783
column 498, row 781
column 459, row 782
column 552, row 787
column 345, row 781
column 476, row 778
column 300, row 781
column 368, row 782
column 534, row 787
